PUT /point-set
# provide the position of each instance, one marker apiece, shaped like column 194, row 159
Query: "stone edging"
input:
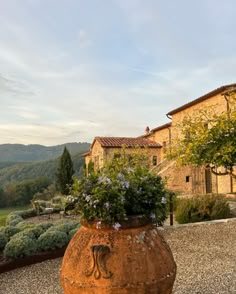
column 226, row 220
column 28, row 260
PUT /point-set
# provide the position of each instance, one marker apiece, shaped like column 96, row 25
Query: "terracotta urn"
column 132, row 258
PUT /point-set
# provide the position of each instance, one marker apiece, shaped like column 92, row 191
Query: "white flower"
column 87, row 198
column 107, row 205
column 163, row 200
column 116, row 226
column 152, row 216
column 98, row 225
column 120, row 177
column 104, row 180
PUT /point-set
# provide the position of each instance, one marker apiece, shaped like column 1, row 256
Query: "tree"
column 65, row 172
column 208, row 138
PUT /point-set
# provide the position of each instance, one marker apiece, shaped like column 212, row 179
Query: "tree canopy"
column 208, row 138
column 65, row 172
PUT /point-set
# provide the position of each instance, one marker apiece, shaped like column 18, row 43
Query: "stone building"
column 188, row 179
column 104, row 149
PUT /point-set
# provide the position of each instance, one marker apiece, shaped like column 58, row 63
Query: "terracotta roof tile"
column 202, row 98
column 126, row 141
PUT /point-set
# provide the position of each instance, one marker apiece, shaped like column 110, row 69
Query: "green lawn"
column 5, row 211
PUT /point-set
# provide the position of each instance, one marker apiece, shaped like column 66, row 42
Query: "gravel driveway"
column 205, row 255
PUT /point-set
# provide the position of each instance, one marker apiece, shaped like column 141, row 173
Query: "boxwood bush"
column 65, row 227
column 26, row 213
column 25, row 225
column 13, row 219
column 201, row 208
column 26, row 233
column 52, row 239
column 72, row 232
column 20, row 246
column 3, row 240
column 9, row 231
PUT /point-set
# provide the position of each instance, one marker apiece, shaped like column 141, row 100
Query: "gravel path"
column 205, row 255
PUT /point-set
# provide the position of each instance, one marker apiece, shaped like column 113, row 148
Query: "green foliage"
column 31, row 212
column 122, row 188
column 3, row 240
column 25, row 225
column 45, row 226
column 10, row 231
column 19, row 194
column 72, row 232
column 207, row 138
column 46, row 194
column 52, row 239
column 65, row 172
column 65, row 227
column 2, row 220
column 20, row 246
column 13, row 219
column 201, row 208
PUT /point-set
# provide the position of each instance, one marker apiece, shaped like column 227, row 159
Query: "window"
column 154, row 160
column 187, row 179
column 164, row 144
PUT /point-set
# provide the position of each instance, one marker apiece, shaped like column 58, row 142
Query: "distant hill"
column 24, row 153
column 21, row 162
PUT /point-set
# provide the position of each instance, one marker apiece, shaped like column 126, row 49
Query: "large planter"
column 134, row 259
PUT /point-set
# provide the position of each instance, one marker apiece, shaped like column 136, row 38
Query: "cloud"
column 70, row 74
column 83, row 39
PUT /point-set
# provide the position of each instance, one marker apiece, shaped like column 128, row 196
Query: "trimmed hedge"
column 20, row 246
column 13, row 219
column 3, row 240
column 201, row 208
column 51, row 240
column 10, row 231
column 72, row 232
column 22, row 238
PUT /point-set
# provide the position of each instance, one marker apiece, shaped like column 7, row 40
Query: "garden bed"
column 11, row 264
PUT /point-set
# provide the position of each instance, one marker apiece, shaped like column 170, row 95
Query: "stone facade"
column 102, row 151
column 188, row 179
column 192, row 180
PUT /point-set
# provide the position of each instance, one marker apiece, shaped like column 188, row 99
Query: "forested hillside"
column 46, row 166
column 24, row 153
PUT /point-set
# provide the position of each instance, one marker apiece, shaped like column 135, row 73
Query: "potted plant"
column 119, row 249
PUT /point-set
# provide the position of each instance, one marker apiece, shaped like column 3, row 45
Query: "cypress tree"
column 65, row 172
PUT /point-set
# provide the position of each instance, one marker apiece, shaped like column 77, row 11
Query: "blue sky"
column 71, row 70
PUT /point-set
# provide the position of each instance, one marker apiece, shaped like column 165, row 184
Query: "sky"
column 71, row 70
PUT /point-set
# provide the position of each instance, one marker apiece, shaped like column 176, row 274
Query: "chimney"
column 147, row 130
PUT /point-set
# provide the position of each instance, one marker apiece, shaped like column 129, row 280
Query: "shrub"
column 20, row 247
column 13, row 219
column 124, row 187
column 10, row 231
column 72, row 232
column 51, row 240
column 201, row 208
column 65, row 227
column 27, row 213
column 3, row 240
column 45, row 226
column 25, row 225
column 26, row 233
